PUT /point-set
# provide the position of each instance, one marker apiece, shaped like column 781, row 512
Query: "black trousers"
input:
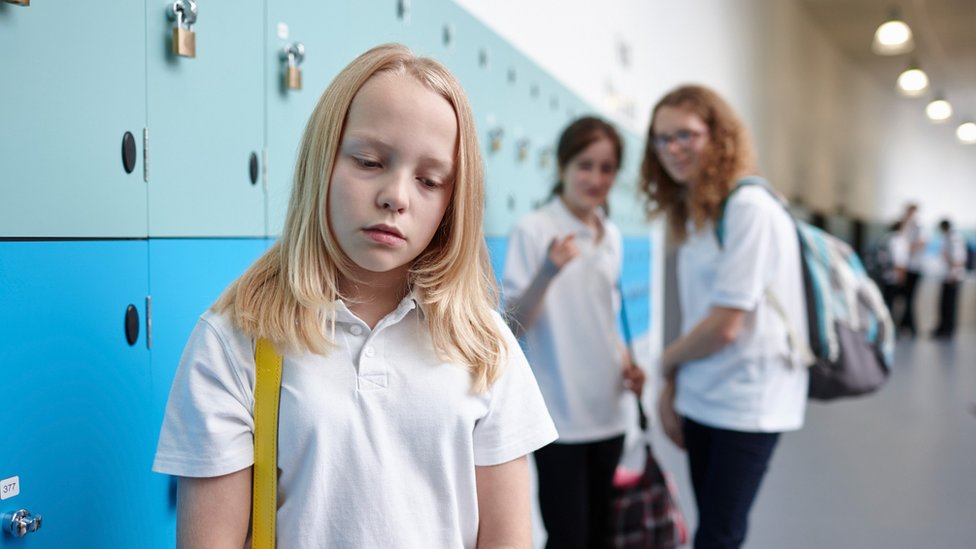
column 947, row 309
column 727, row 468
column 908, row 315
column 575, row 485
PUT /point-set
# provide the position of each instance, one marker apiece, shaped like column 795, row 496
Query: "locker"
column 75, row 393
column 187, row 276
column 74, row 84
column 206, row 122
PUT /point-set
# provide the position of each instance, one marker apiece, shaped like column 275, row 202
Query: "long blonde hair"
column 729, row 156
column 289, row 294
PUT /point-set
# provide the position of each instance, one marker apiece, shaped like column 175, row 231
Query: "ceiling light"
column 966, row 132
column 938, row 110
column 913, row 82
column 893, row 37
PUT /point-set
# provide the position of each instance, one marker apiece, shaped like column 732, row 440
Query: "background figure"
column 730, row 384
column 954, row 257
column 560, row 287
column 407, row 410
column 892, row 262
column 913, row 273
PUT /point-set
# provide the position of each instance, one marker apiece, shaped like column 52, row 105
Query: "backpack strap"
column 799, row 352
column 748, row 181
column 267, row 389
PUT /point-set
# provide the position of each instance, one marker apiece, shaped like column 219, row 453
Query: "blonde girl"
column 407, row 408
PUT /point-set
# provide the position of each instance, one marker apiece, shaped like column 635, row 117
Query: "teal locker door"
column 74, row 83
column 186, row 277
column 353, row 28
column 206, row 117
column 76, row 437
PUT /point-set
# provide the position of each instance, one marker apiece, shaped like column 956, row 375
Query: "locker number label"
column 9, row 487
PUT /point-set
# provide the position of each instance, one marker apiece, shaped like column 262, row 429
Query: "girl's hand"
column 563, row 250
column 634, row 378
column 670, row 420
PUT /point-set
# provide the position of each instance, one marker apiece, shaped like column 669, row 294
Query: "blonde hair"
column 729, row 156
column 288, row 295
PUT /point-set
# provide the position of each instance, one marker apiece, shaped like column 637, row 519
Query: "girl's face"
column 588, row 177
column 393, row 177
column 681, row 140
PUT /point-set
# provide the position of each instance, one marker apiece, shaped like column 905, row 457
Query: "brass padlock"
column 184, row 42
column 293, row 78
column 293, row 54
column 184, row 12
column 495, row 139
column 523, row 149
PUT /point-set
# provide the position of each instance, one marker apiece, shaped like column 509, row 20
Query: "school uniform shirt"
column 573, row 346
column 752, row 384
column 954, row 256
column 378, row 440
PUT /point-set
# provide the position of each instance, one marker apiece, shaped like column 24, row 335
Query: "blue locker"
column 74, row 84
column 186, row 277
column 206, row 122
column 75, row 392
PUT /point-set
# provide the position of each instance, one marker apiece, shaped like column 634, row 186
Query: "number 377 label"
column 9, row 487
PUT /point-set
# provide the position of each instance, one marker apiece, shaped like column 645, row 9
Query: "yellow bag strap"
column 267, row 388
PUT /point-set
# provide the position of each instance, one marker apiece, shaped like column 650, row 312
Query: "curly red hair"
column 729, row 156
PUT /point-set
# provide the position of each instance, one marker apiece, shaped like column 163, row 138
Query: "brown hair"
column 579, row 135
column 729, row 156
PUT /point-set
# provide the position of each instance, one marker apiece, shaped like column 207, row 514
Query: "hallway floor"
column 893, row 470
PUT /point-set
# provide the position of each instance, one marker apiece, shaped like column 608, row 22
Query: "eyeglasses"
column 682, row 137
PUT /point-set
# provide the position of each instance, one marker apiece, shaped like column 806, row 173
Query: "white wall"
column 826, row 132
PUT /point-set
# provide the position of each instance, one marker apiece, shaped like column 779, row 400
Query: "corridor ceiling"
column 945, row 43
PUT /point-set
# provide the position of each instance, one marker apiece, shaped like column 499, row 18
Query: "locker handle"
column 25, row 3
column 21, row 522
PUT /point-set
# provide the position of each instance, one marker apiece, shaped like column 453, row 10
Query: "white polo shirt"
column 378, row 441
column 749, row 385
column 573, row 345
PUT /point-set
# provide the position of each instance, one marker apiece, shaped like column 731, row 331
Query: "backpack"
column 850, row 329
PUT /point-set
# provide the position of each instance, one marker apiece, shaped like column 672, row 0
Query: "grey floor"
column 896, row 469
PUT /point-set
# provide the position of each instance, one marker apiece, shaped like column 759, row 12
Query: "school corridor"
column 890, row 471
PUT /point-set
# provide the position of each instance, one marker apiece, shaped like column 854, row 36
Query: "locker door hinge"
column 145, row 155
column 264, row 169
column 149, row 322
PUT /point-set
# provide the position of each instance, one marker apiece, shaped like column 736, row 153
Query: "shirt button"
column 370, row 351
column 356, row 330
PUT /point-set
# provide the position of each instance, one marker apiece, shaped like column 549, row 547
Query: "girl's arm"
column 504, row 506
column 213, row 512
column 524, row 311
column 712, row 334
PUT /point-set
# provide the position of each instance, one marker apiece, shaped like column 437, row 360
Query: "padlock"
column 523, row 149
column 184, row 42
column 495, row 139
column 293, row 78
column 545, row 157
column 293, row 54
column 184, row 12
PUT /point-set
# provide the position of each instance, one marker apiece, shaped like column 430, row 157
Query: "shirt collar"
column 409, row 302
column 568, row 220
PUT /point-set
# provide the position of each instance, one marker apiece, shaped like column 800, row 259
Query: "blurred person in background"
column 954, row 257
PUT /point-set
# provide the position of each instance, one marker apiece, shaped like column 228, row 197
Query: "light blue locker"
column 333, row 34
column 75, row 393
column 74, row 84
column 186, row 277
column 206, row 122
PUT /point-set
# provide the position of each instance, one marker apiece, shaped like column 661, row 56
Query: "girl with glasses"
column 730, row 384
